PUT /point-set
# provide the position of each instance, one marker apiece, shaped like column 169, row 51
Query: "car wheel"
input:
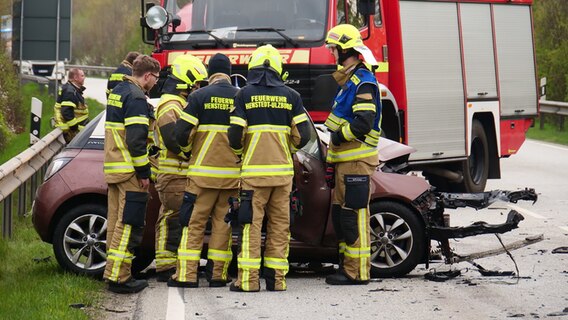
column 476, row 167
column 397, row 239
column 79, row 240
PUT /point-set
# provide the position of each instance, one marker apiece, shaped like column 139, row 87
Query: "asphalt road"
column 540, row 292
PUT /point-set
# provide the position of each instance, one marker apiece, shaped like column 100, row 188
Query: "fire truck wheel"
column 476, row 167
column 397, row 239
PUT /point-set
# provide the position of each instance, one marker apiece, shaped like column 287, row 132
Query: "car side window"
column 312, row 148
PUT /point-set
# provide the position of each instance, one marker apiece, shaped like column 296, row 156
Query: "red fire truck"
column 458, row 77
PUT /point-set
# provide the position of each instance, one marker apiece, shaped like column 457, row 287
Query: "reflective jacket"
column 202, row 131
column 126, row 133
column 117, row 76
column 347, row 110
column 172, row 163
column 271, row 114
column 70, row 108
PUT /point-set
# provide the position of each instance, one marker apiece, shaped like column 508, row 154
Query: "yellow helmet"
column 189, row 69
column 266, row 53
column 345, row 36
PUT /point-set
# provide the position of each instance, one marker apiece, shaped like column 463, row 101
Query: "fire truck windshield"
column 230, row 21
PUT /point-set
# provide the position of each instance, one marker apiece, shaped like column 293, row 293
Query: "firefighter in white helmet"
column 275, row 125
column 186, row 74
column 352, row 157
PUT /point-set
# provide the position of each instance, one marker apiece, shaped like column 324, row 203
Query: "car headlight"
column 55, row 165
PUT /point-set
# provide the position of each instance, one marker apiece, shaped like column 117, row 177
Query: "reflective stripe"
column 268, row 128
column 267, row 170
column 186, row 148
column 285, row 145
column 238, row 152
column 219, row 255
column 114, row 125
column 245, row 254
column 364, row 107
column 205, row 147
column 252, row 147
column 182, row 263
column 353, row 252
column 276, row 263
column 77, row 120
column 238, row 121
column 120, row 254
column 116, row 77
column 249, row 263
column 212, row 127
column 217, row 172
column 358, row 153
column 300, row 118
column 168, row 108
column 334, row 122
column 118, row 167
column 141, row 160
column 347, row 133
column 342, row 247
column 68, row 104
column 363, row 243
column 136, row 120
column 189, row 254
column 189, row 118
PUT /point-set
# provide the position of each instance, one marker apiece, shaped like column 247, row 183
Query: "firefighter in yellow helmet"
column 186, row 74
column 127, row 172
column 70, row 111
column 275, row 125
column 352, row 156
column 213, row 177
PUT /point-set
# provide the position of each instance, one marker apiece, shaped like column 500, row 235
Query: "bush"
column 12, row 119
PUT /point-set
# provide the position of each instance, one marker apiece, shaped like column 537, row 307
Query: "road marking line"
column 551, row 145
column 525, row 211
column 563, row 228
column 176, row 306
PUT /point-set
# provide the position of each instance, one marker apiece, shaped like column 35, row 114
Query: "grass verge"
column 20, row 142
column 550, row 133
column 32, row 283
column 34, row 286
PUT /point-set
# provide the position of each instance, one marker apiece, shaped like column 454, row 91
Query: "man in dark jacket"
column 125, row 69
column 71, row 112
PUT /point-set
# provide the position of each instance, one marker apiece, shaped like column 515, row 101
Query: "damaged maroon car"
column 406, row 213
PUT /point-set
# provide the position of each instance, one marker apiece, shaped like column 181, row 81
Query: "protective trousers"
column 126, row 214
column 198, row 205
column 168, row 229
column 255, row 203
column 350, row 216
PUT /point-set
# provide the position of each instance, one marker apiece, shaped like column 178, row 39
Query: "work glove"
column 336, row 138
column 330, row 175
column 153, row 151
column 232, row 216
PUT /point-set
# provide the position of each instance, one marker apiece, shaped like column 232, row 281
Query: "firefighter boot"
column 130, row 286
column 339, row 278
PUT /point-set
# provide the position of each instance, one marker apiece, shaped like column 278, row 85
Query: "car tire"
column 72, row 245
column 79, row 240
column 397, row 239
column 476, row 167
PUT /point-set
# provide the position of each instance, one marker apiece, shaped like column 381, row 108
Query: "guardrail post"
column 7, row 218
column 35, row 120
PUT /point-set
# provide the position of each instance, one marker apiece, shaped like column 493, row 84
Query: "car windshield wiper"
column 210, row 33
column 279, row 31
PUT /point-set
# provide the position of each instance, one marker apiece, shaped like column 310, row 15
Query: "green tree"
column 551, row 37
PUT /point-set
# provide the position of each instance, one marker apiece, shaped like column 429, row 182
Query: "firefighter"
column 275, row 125
column 125, row 68
column 213, row 177
column 127, row 172
column 352, row 156
column 71, row 112
column 186, row 74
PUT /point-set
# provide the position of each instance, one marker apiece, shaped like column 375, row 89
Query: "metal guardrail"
column 557, row 108
column 24, row 173
column 90, row 68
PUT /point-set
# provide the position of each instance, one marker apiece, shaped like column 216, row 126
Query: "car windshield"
column 229, row 20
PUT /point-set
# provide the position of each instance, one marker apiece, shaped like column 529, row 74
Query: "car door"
column 314, row 195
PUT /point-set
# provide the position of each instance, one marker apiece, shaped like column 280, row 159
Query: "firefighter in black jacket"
column 71, row 112
column 276, row 125
column 213, row 177
column 125, row 69
column 127, row 172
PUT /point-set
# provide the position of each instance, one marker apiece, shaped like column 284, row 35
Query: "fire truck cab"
column 458, row 77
